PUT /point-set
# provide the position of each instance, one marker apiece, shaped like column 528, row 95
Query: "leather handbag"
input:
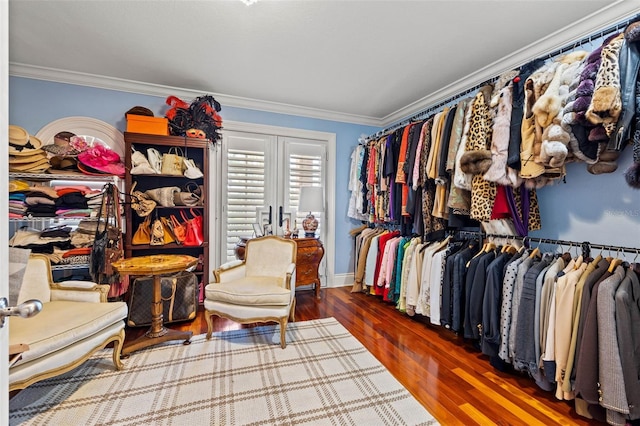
column 192, row 171
column 157, row 233
column 179, row 294
column 194, row 235
column 108, row 246
column 167, row 225
column 163, row 195
column 140, row 202
column 140, row 163
column 155, row 160
column 143, row 233
column 173, row 162
column 179, row 229
column 185, row 199
column 195, row 189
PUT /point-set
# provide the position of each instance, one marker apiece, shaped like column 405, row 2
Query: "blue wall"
column 601, row 209
column 34, row 103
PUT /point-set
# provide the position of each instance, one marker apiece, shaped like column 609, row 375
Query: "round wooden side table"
column 155, row 265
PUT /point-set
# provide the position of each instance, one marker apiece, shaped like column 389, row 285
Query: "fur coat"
column 498, row 171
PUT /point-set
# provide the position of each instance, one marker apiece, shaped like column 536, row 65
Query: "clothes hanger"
column 636, row 266
column 511, row 248
column 577, row 259
column 490, row 246
column 507, row 247
column 535, row 252
column 615, row 263
column 609, row 257
column 482, row 251
column 523, row 247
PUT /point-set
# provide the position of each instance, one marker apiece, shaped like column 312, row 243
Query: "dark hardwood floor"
column 453, row 380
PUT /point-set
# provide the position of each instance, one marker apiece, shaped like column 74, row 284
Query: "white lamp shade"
column 311, row 199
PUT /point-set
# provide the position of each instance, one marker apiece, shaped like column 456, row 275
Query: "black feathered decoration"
column 201, row 114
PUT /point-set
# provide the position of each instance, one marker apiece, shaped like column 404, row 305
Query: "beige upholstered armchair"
column 260, row 289
column 75, row 322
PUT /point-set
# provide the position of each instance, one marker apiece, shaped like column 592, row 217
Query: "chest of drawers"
column 310, row 253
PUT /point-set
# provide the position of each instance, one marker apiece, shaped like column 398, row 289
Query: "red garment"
column 500, row 205
column 401, row 176
column 66, row 189
column 77, row 252
column 382, row 242
column 371, row 165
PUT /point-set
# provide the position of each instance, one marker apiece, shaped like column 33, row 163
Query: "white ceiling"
column 368, row 62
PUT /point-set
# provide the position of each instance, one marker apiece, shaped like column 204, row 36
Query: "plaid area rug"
column 242, row 377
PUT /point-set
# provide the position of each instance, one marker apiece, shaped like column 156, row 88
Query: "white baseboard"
column 341, row 280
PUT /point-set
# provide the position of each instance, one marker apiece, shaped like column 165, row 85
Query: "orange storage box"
column 149, row 125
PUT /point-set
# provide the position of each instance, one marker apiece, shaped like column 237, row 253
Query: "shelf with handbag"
column 56, row 214
column 166, row 182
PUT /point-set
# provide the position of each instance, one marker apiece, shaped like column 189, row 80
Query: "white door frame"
column 263, row 129
column 4, row 205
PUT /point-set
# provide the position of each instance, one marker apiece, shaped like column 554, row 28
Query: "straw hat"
column 33, row 145
column 32, row 167
column 18, row 136
column 26, row 158
column 25, row 152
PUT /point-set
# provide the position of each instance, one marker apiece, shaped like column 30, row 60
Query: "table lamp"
column 311, row 200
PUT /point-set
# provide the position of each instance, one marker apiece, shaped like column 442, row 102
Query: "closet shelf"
column 68, row 266
column 51, row 219
column 45, row 177
column 178, row 207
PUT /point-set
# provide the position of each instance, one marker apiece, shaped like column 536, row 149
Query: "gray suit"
column 612, row 390
column 628, row 331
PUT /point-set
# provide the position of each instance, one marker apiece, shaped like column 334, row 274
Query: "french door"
column 261, row 179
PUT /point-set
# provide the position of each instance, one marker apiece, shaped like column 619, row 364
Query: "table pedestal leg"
column 157, row 333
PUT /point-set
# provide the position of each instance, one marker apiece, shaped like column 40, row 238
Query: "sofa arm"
column 230, row 271
column 79, row 291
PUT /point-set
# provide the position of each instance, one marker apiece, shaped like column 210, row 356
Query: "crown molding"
column 606, row 17
column 139, row 87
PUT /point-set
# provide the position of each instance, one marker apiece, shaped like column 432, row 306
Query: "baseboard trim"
column 341, row 280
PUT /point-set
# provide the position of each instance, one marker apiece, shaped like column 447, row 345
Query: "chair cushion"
column 257, row 291
column 61, row 324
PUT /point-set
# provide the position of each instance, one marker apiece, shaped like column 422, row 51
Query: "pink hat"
column 101, row 159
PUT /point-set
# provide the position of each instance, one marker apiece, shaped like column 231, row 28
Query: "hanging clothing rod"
column 562, row 242
column 567, row 48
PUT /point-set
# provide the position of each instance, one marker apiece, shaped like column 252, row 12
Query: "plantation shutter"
column 305, row 169
column 245, row 193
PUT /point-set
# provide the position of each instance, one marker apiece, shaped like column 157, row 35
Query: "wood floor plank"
column 506, row 404
column 536, row 403
column 446, row 373
column 476, row 415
